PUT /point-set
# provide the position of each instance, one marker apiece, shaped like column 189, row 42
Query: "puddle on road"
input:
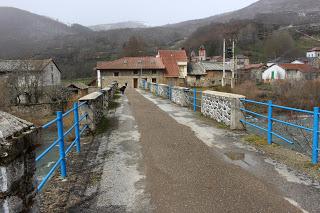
column 234, row 156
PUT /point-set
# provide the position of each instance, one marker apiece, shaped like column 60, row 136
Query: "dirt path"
column 185, row 175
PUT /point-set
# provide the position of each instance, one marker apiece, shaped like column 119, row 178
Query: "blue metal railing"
column 60, row 141
column 195, row 98
column 271, row 120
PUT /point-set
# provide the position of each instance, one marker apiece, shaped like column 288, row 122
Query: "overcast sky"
column 151, row 12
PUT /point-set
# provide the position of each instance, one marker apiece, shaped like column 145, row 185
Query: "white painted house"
column 274, row 72
column 290, row 72
column 314, row 53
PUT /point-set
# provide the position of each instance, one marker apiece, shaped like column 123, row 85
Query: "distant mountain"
column 22, row 31
column 16, row 22
column 76, row 48
column 119, row 25
column 250, row 12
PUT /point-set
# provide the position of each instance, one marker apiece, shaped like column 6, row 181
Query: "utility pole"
column 233, row 66
column 223, row 81
column 141, row 74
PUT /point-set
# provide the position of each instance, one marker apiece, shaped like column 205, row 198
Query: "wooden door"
column 135, row 83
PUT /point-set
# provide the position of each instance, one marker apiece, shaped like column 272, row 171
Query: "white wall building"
column 290, row 72
column 314, row 53
column 274, row 72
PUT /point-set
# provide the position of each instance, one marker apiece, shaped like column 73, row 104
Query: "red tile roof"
column 314, row 49
column 170, row 59
column 299, row 67
column 253, row 66
column 131, row 63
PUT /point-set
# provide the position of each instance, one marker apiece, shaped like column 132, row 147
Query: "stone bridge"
column 156, row 155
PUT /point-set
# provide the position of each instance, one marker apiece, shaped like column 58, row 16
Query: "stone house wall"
column 213, row 78
column 51, row 76
column 128, row 76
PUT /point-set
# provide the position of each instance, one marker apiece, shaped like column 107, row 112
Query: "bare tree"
column 25, row 83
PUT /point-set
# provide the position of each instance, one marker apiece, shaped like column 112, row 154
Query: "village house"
column 242, row 61
column 251, row 72
column 217, row 58
column 313, row 53
column 78, row 90
column 43, row 72
column 176, row 66
column 207, row 74
column 202, row 55
column 130, row 71
column 290, row 72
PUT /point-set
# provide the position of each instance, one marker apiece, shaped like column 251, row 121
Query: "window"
column 154, row 72
column 136, row 72
column 154, row 80
column 116, row 74
column 198, row 77
column 52, row 80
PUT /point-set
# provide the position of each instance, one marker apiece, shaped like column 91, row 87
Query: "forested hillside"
column 274, row 36
column 265, row 30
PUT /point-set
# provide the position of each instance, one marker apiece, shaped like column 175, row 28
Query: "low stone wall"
column 94, row 108
column 144, row 84
column 17, row 164
column 97, row 105
column 223, row 107
column 163, row 90
column 153, row 88
column 180, row 96
column 107, row 93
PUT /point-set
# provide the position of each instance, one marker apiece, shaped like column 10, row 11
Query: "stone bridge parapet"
column 223, row 107
column 17, row 164
column 97, row 105
column 180, row 96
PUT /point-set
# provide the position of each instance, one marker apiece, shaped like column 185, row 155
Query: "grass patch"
column 309, row 165
column 113, row 105
column 102, row 126
column 255, row 139
column 116, row 96
column 222, row 126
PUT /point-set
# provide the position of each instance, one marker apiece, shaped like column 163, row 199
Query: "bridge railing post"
column 63, row 169
column 194, row 99
column 270, row 122
column 77, row 125
column 315, row 141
